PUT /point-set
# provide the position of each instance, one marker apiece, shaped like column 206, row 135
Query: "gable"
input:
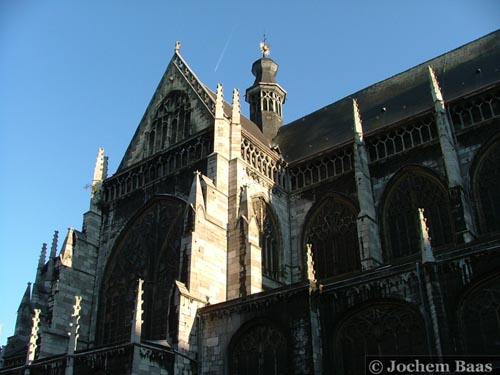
column 180, row 108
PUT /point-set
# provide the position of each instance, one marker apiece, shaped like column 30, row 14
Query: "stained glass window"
column 480, row 319
column 269, row 239
column 412, row 190
column 259, row 350
column 149, row 249
column 332, row 232
column 487, row 182
column 172, row 122
column 380, row 329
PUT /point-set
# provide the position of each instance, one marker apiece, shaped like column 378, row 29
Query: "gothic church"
column 228, row 245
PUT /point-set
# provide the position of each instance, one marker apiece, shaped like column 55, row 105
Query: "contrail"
column 224, row 49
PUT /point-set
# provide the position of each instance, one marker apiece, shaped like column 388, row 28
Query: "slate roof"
column 462, row 71
column 246, row 124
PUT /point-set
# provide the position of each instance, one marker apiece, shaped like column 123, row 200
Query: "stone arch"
column 412, row 188
column 485, row 182
column 259, row 347
column 148, row 248
column 479, row 316
column 332, row 230
column 380, row 327
column 270, row 239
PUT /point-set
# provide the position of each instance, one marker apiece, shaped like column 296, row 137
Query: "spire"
column 101, row 166
column 311, row 274
column 38, row 286
column 463, row 219
column 137, row 321
column 235, row 114
column 43, row 255
column 358, row 127
column 425, row 241
column 26, row 301
column 66, row 254
column 100, row 174
column 235, row 134
column 437, row 96
column 219, row 102
column 53, row 248
column 369, row 242
column 30, row 357
column 265, row 96
column 196, row 195
column 24, row 314
column 246, row 209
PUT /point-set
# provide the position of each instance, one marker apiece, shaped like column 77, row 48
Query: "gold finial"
column 177, row 46
column 264, row 47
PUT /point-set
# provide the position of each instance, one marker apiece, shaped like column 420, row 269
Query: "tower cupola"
column 265, row 96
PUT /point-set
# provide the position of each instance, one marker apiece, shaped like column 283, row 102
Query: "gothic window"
column 379, row 329
column 172, row 123
column 332, row 231
column 486, row 183
column 412, row 190
column 259, row 349
column 269, row 239
column 148, row 249
column 480, row 319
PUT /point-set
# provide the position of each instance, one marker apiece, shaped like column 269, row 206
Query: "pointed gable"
column 180, row 107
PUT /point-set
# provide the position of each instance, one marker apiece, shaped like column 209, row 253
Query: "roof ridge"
column 194, row 81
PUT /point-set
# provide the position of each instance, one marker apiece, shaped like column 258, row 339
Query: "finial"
column 177, row 47
column 264, row 47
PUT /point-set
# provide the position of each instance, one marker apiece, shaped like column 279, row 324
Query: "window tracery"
column 476, row 110
column 487, row 180
column 269, row 238
column 480, row 319
column 332, row 231
column 259, row 350
column 412, row 190
column 172, row 122
column 149, row 249
column 384, row 328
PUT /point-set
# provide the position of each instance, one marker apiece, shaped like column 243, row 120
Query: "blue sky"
column 78, row 75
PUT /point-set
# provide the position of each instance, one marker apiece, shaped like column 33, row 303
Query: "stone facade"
column 367, row 227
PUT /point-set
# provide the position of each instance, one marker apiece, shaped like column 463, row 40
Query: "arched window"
column 480, row 318
column 384, row 328
column 332, row 231
column 258, row 349
column 148, row 249
column 411, row 190
column 486, row 188
column 172, row 122
column 269, row 238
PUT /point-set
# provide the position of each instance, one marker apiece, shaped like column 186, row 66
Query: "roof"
column 246, row 124
column 462, row 71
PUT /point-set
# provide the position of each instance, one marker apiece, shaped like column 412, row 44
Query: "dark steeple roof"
column 461, row 71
